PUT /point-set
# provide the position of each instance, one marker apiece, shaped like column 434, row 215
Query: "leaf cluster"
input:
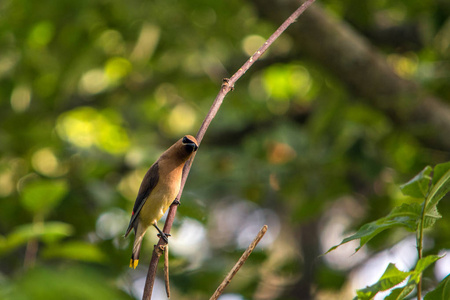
column 431, row 185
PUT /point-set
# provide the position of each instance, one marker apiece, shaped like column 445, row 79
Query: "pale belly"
column 157, row 203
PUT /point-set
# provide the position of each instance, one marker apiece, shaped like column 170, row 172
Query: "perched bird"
column 158, row 191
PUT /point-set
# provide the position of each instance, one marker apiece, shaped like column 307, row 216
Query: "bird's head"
column 190, row 143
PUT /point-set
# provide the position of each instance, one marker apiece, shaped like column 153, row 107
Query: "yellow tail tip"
column 134, row 263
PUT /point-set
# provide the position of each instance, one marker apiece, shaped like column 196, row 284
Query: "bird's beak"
column 191, row 146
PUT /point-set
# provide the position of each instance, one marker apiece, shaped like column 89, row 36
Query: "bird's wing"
column 148, row 184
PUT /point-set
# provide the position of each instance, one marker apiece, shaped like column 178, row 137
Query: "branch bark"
column 166, row 270
column 365, row 71
column 239, row 264
column 227, row 86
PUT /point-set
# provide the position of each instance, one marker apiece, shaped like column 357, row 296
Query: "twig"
column 157, row 251
column 166, row 269
column 239, row 264
column 227, row 86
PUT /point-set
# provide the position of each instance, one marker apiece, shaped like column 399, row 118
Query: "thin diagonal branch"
column 166, row 270
column 239, row 264
column 227, row 86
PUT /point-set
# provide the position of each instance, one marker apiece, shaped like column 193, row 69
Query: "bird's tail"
column 136, row 250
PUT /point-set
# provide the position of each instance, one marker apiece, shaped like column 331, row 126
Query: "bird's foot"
column 176, row 202
column 164, row 236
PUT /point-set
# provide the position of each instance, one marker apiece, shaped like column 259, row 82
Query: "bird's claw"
column 164, row 236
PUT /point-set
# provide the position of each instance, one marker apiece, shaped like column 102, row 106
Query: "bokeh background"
column 351, row 101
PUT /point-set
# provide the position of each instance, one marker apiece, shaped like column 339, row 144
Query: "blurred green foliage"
column 92, row 92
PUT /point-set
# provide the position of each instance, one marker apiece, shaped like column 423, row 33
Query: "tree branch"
column 239, row 263
column 166, row 270
column 227, row 86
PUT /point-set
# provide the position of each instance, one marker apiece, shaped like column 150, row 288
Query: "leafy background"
column 92, row 92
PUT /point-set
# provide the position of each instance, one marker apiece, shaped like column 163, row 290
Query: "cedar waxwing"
column 158, row 191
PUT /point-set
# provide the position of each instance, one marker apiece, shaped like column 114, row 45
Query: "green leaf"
column 441, row 292
column 406, row 215
column 47, row 232
column 409, row 215
column 439, row 190
column 401, row 292
column 431, row 217
column 43, row 195
column 75, row 250
column 418, row 186
column 439, row 171
column 390, row 278
column 421, row 265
